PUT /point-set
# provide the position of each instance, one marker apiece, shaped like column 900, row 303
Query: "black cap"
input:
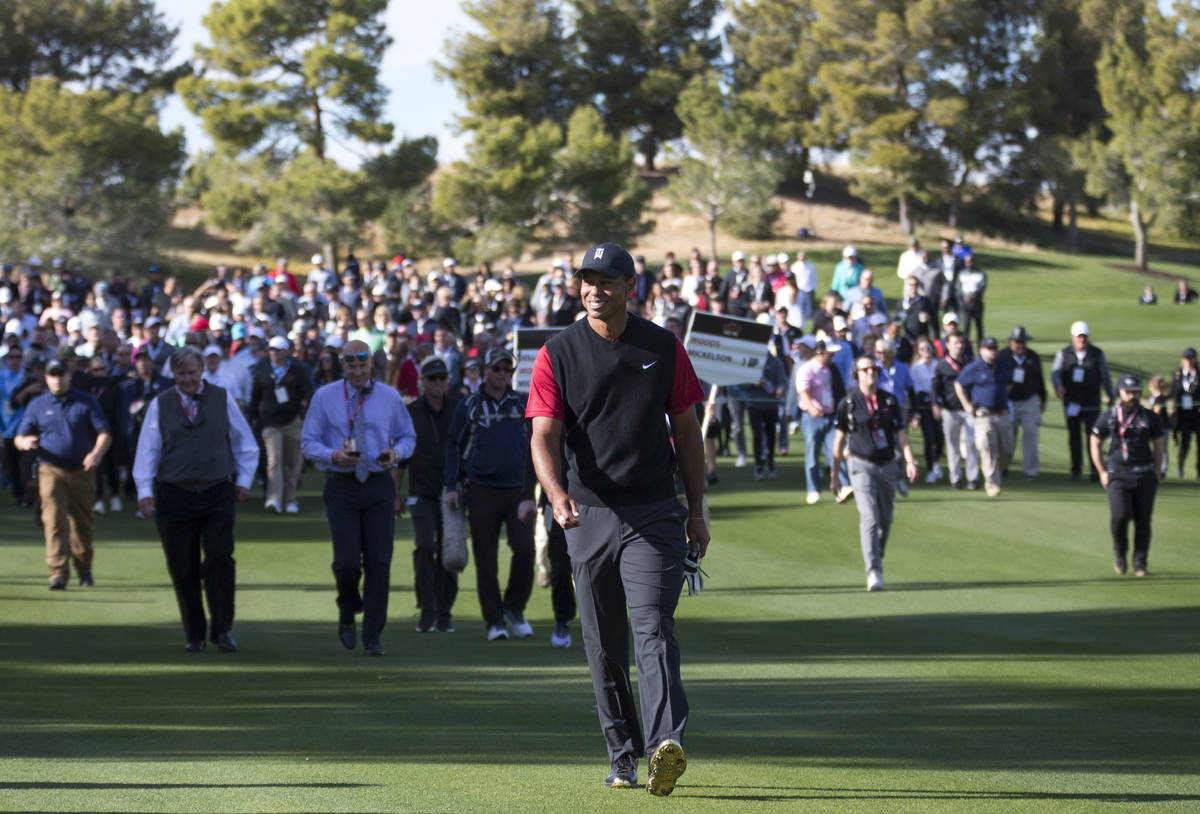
column 433, row 366
column 1129, row 382
column 1019, row 334
column 1189, row 353
column 56, row 366
column 65, row 353
column 609, row 259
column 988, row 342
column 497, row 355
column 475, row 362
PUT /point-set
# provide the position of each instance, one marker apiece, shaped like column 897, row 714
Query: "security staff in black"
column 1080, row 371
column 436, row 587
column 1130, row 471
column 1185, row 421
column 604, row 389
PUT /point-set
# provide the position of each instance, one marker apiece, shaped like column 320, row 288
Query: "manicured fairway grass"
column 1004, row 667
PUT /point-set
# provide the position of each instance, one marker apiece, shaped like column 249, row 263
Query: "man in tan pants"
column 279, row 395
column 982, row 387
column 67, row 430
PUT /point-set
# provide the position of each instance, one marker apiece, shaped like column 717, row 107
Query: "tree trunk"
column 331, row 258
column 1073, row 226
column 1139, row 235
column 906, row 227
column 1059, row 205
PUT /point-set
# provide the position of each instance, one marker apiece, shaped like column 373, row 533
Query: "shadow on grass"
column 756, row 688
column 768, row 794
column 50, row 785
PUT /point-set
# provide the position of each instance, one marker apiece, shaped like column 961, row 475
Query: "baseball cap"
column 150, row 323
column 141, row 350
column 1079, row 328
column 609, row 259
column 1129, row 382
column 949, row 317
column 56, row 366
column 472, row 363
column 988, row 342
column 1189, row 353
column 5, row 295
column 738, row 255
column 65, row 353
column 1019, row 334
column 839, row 323
column 877, row 319
column 255, row 332
column 448, row 262
column 317, row 259
column 213, row 350
column 849, row 251
column 782, row 259
column 278, row 343
column 497, row 355
column 74, row 324
column 433, row 366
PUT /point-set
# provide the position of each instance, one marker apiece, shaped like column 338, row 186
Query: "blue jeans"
column 818, row 436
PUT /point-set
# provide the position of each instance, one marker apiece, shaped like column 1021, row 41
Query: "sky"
column 418, row 104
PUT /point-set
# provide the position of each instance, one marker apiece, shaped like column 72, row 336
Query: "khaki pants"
column 994, row 440
column 67, row 497
column 283, row 461
column 1027, row 417
column 959, row 429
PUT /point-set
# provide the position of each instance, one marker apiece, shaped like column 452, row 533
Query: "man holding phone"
column 356, row 430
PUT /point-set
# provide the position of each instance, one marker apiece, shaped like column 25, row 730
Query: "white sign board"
column 726, row 350
column 526, row 344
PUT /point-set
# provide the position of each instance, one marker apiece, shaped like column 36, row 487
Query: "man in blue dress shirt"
column 67, row 431
column 982, row 387
column 356, row 430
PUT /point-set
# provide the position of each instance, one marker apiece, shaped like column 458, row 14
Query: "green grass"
column 1004, row 668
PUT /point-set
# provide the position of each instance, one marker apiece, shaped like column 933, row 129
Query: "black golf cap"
column 433, row 366
column 1129, row 383
column 1189, row 353
column 609, row 259
column 988, row 342
column 1019, row 334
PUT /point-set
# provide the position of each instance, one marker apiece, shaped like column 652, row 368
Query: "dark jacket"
column 265, row 409
column 427, row 466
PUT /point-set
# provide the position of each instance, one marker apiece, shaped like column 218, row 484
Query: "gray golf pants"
column 874, row 495
column 632, row 556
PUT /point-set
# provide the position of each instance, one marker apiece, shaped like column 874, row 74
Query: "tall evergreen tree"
column 876, row 81
column 1150, row 162
column 518, row 66
column 636, row 57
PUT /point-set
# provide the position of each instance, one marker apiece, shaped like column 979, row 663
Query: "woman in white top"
column 921, row 371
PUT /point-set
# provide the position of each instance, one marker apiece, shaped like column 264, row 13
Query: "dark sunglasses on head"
column 356, row 357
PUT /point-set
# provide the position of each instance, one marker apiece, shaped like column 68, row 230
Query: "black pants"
column 362, row 525
column 763, row 421
column 931, row 431
column 19, row 468
column 562, row 587
column 632, row 557
column 973, row 313
column 436, row 587
column 1188, row 424
column 1131, row 497
column 487, row 510
column 190, row 523
column 1078, row 428
column 107, row 472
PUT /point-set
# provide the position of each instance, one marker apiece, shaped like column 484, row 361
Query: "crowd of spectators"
column 272, row 335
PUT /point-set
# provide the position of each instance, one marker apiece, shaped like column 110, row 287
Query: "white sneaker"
column 292, row 508
column 115, row 504
column 520, row 628
column 741, row 461
column 813, row 497
column 931, row 477
column 99, row 507
column 845, row 493
column 496, row 632
column 937, row 471
column 561, row 637
column 793, row 428
column 874, row 580
column 272, row 506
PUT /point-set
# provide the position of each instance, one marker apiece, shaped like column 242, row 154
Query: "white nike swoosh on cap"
column 647, row 365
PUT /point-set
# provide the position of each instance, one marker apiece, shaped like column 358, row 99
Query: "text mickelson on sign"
column 726, row 350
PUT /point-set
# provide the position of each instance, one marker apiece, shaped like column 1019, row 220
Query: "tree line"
column 952, row 111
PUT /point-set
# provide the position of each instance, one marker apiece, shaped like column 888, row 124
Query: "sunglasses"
column 356, row 357
column 502, row 369
column 438, row 377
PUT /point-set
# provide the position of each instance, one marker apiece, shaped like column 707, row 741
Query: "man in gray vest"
column 195, row 456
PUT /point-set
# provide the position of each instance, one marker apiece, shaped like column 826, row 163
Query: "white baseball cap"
column 213, row 350
column 278, row 343
column 839, row 323
column 849, row 251
column 877, row 319
column 949, row 317
column 739, row 255
column 782, row 259
column 448, row 262
column 1079, row 328
column 74, row 324
column 769, row 260
column 317, row 260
